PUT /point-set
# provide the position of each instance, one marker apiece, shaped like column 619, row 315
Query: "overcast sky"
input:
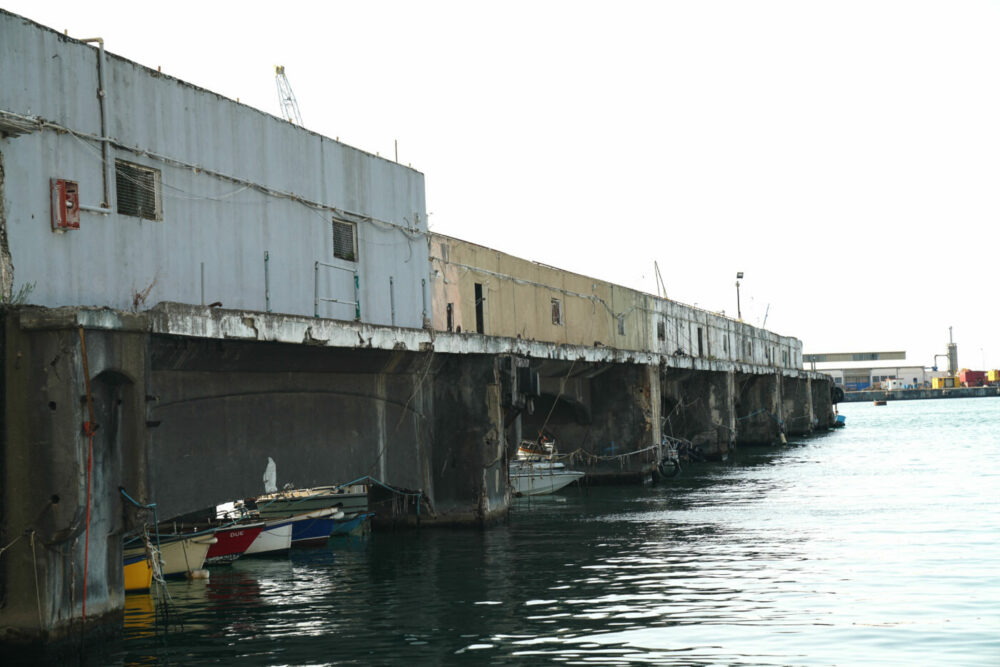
column 844, row 155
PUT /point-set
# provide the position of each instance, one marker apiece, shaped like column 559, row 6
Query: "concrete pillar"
column 699, row 406
column 821, row 402
column 758, row 412
column 469, row 460
column 62, row 514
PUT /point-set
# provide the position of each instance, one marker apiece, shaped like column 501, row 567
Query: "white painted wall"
column 236, row 183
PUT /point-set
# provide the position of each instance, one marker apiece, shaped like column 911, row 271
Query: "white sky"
column 844, row 155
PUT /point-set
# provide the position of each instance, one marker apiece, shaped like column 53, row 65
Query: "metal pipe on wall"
column 267, row 281
column 102, row 94
column 392, row 302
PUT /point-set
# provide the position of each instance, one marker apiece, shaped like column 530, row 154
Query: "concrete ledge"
column 178, row 319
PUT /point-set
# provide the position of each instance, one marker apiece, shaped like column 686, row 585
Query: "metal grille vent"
column 138, row 190
column 343, row 241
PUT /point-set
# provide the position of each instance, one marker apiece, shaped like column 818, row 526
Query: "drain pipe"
column 102, row 94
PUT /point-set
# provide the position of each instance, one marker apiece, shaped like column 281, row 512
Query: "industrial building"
column 192, row 287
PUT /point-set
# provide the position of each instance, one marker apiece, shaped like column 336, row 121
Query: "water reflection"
column 863, row 547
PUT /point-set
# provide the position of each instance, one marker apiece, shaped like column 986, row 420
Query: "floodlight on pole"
column 739, row 313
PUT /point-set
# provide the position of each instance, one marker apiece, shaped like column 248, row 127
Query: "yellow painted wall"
column 518, row 296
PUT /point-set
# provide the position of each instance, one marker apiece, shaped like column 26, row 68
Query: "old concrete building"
column 191, row 287
column 482, row 290
column 170, row 201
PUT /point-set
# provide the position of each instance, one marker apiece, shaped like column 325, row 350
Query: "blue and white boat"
column 314, row 528
column 352, row 524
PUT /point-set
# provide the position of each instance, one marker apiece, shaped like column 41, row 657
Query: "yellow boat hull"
column 138, row 575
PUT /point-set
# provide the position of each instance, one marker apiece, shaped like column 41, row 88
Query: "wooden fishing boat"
column 138, row 573
column 232, row 541
column 314, row 528
column 351, row 525
column 179, row 555
column 274, row 540
column 350, row 500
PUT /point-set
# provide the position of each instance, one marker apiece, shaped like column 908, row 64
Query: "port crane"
column 289, row 107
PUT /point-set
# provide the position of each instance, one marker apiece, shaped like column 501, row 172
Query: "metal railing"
column 316, row 297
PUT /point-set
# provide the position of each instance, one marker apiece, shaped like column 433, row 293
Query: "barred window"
column 557, row 317
column 138, row 190
column 345, row 240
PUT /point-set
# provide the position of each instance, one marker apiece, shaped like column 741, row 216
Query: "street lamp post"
column 739, row 313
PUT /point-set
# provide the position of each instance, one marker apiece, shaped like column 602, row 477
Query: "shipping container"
column 972, row 378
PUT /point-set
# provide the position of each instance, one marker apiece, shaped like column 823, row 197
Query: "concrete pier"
column 410, row 357
column 189, row 404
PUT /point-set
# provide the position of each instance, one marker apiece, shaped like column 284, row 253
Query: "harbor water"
column 875, row 544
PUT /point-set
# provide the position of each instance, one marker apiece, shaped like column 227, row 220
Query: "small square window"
column 557, row 317
column 345, row 240
column 137, row 191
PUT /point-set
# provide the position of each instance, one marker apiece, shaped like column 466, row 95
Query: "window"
column 138, row 190
column 451, row 317
column 621, row 325
column 344, row 240
column 701, row 348
column 557, row 317
column 479, row 308
column 661, row 330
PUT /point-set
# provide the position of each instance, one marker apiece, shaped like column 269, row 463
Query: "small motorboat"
column 537, row 478
column 535, row 472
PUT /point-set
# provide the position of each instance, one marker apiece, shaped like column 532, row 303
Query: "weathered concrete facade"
column 479, row 289
column 245, row 203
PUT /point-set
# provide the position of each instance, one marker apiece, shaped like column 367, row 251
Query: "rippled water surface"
column 876, row 544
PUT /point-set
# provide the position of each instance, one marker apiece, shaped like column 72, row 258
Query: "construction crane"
column 289, row 107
